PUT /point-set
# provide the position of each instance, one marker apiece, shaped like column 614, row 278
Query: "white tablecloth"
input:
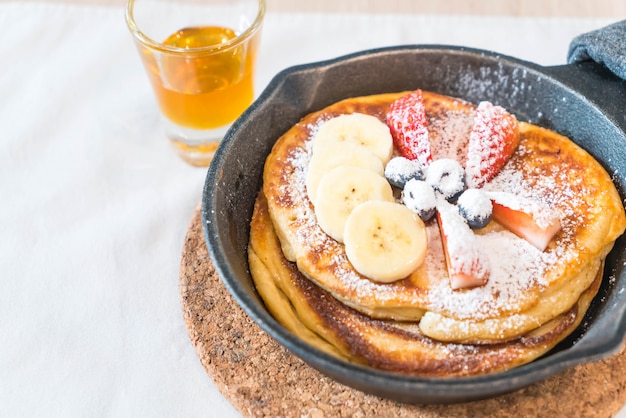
column 95, row 204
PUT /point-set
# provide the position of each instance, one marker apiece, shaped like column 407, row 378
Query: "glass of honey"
column 200, row 57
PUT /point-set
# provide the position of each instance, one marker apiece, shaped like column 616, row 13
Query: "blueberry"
column 399, row 170
column 476, row 207
column 447, row 177
column 418, row 196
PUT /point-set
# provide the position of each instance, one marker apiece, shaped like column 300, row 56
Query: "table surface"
column 96, row 205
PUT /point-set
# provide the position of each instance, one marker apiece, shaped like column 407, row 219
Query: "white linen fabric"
column 94, row 204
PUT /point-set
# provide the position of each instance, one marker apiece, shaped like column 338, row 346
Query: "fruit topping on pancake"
column 358, row 129
column 340, row 154
column 447, row 177
column 476, row 207
column 341, row 190
column 467, row 266
column 420, row 197
column 384, row 241
column 407, row 121
column 525, row 218
column 492, row 141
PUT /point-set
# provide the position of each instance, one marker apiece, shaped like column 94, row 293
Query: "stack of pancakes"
column 420, row 325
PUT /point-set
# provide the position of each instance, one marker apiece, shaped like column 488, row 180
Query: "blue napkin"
column 606, row 46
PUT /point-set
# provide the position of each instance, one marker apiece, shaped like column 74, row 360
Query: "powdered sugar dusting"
column 516, row 266
column 449, row 133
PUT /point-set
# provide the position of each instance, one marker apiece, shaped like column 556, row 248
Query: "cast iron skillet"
column 582, row 101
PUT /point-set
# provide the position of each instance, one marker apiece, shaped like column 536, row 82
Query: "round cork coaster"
column 261, row 378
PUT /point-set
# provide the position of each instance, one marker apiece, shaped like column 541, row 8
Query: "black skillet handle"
column 597, row 84
column 598, row 69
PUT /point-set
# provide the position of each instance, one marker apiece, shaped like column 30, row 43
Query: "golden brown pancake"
column 322, row 321
column 527, row 288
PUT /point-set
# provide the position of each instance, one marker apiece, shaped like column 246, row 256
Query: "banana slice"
column 341, row 190
column 363, row 130
column 341, row 154
column 385, row 241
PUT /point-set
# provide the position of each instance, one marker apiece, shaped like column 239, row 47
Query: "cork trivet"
column 263, row 379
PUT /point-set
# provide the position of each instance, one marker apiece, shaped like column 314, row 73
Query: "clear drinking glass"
column 200, row 57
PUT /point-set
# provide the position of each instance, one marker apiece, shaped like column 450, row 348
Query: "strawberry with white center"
column 493, row 139
column 409, row 128
column 467, row 265
column 527, row 219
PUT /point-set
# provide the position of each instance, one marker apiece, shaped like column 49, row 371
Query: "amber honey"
column 199, row 89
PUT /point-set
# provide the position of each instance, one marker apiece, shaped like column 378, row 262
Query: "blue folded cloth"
column 606, row 46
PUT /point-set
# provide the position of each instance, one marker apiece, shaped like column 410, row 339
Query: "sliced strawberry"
column 493, row 139
column 467, row 265
column 526, row 219
column 406, row 119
